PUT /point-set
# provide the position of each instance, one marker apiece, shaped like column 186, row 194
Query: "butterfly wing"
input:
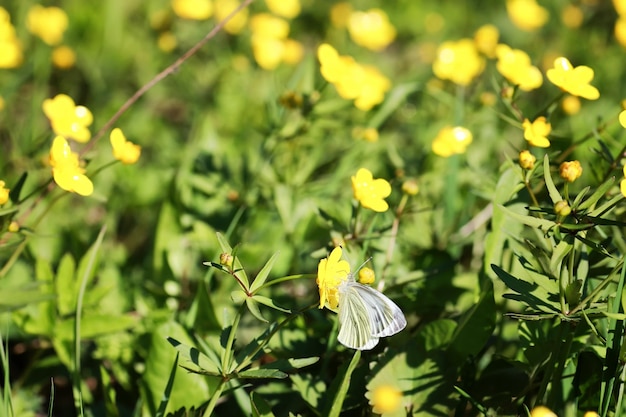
column 354, row 320
column 365, row 315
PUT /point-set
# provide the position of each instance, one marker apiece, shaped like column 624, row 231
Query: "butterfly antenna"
column 362, row 265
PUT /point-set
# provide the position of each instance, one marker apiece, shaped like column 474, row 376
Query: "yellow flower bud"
column 570, row 171
column 226, row 259
column 366, row 275
column 14, row 227
column 542, row 411
column 410, row 187
column 527, row 160
column 562, row 208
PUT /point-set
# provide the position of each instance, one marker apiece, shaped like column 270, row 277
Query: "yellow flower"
column 573, row 80
column 63, row 57
column 410, row 187
column 620, row 30
column 4, row 193
column 515, row 66
column 536, row 133
column 385, row 399
column 293, row 51
column 66, row 169
column 526, row 14
column 620, row 7
column 622, row 184
column 270, row 45
column 458, row 61
column 10, row 47
column 331, row 272
column 572, row 16
column 452, row 140
column 48, row 23
column 14, row 227
column 284, row 8
column 366, row 275
column 266, row 25
column 542, row 411
column 68, row 119
column 591, row 414
column 340, row 14
column 570, row 105
column 193, row 9
column 622, row 118
column 225, row 7
column 123, row 150
column 527, row 160
column 570, row 171
column 370, row 192
column 167, row 41
column 369, row 134
column 353, row 81
column 371, row 29
column 486, row 39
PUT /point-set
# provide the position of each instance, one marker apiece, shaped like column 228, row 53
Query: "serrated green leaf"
column 261, row 277
column 555, row 196
column 261, row 373
column 254, row 309
column 196, row 357
column 226, row 248
column 528, row 293
column 270, row 303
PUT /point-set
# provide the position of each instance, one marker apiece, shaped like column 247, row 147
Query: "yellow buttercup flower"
column 225, row 7
column 527, row 14
column 371, row 29
column 570, row 171
column 48, row 23
column 458, row 61
column 370, row 192
column 570, row 105
column 515, row 66
column 366, row 275
column 193, row 9
column 68, row 119
column 620, row 7
column 270, row 45
column 10, row 48
column 622, row 184
column 527, row 160
column 572, row 16
column 486, row 39
column 542, row 411
column 123, row 150
column 452, row 140
column 620, row 30
column 63, row 57
column 4, row 193
column 362, row 83
column 331, row 272
column 66, row 169
column 536, row 133
column 385, row 399
column 284, row 8
column 573, row 80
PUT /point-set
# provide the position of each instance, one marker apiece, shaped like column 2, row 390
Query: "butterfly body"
column 366, row 315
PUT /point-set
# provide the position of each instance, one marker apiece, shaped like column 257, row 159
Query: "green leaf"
column 596, row 196
column 606, row 206
column 16, row 190
column 261, row 277
column 270, row 303
column 196, row 357
column 560, row 252
column 226, row 248
column 394, row 99
column 260, row 407
column 436, row 334
column 291, row 364
column 262, row 373
column 165, row 398
column 535, row 222
column 32, row 293
column 555, row 196
column 94, row 324
column 254, row 309
column 340, row 386
column 66, row 285
column 310, row 389
column 527, row 292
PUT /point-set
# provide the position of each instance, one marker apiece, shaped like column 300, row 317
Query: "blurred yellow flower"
column 410, row 187
column 527, row 14
column 622, row 184
column 527, row 160
column 2, row 103
column 63, row 57
column 293, row 51
column 385, row 399
column 371, row 29
column 68, row 119
column 331, row 272
column 193, row 9
column 266, row 25
column 48, row 23
column 570, row 105
column 284, row 8
column 572, row 16
column 515, row 66
column 536, row 133
column 486, row 40
column 620, row 30
column 620, row 7
column 458, row 61
column 123, row 150
column 167, row 41
column 340, row 14
column 591, row 414
column 451, row 141
column 225, row 7
column 573, row 80
column 542, row 411
column 66, row 169
column 370, row 192
column 622, row 118
column 353, row 81
column 10, row 47
column 270, row 45
column 366, row 275
column 14, row 227
column 570, row 171
column 4, row 193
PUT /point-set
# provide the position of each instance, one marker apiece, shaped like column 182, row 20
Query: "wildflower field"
column 312, row 208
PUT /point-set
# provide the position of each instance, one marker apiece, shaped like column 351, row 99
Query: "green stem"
column 216, row 396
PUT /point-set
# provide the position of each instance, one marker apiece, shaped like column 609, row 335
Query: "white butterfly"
column 366, row 315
